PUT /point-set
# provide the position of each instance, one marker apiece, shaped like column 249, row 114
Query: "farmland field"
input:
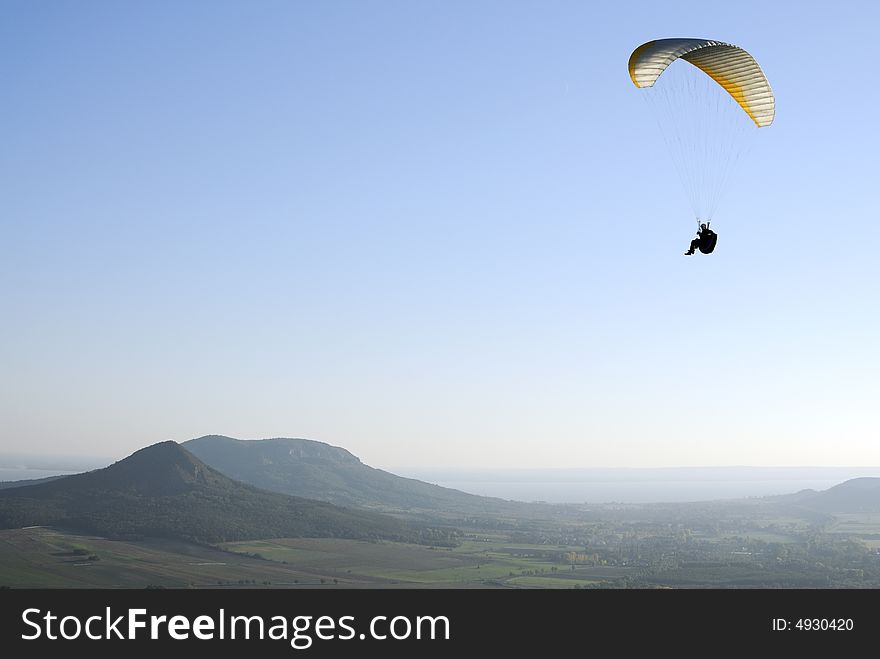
column 485, row 562
column 48, row 558
column 666, row 551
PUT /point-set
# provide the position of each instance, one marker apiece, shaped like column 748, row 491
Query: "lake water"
column 639, row 485
column 634, row 491
column 24, row 473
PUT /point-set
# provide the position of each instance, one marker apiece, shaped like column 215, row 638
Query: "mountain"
column 857, row 495
column 164, row 490
column 316, row 470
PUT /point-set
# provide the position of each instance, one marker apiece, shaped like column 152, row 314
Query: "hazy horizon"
column 638, row 485
column 437, row 233
column 69, row 462
column 554, row 485
column 73, row 461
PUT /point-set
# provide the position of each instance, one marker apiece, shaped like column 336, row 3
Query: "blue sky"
column 434, row 233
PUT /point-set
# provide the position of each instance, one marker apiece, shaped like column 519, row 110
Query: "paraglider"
column 707, row 113
column 705, row 240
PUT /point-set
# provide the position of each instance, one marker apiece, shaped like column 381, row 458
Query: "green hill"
column 857, row 495
column 165, row 491
column 306, row 468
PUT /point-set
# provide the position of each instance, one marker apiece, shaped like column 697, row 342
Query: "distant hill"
column 164, row 490
column 857, row 495
column 316, row 470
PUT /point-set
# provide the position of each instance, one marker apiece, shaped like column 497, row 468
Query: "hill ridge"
column 165, row 490
column 316, row 470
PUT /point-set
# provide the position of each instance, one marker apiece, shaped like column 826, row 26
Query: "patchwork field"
column 485, row 562
column 40, row 557
column 865, row 526
column 47, row 558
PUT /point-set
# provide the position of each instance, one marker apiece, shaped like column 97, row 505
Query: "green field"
column 865, row 526
column 765, row 536
column 664, row 552
column 487, row 562
column 48, row 558
column 548, row 582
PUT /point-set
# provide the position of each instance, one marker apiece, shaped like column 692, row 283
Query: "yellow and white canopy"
column 730, row 66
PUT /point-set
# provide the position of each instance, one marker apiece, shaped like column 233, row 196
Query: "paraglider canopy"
column 708, row 106
column 728, row 65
